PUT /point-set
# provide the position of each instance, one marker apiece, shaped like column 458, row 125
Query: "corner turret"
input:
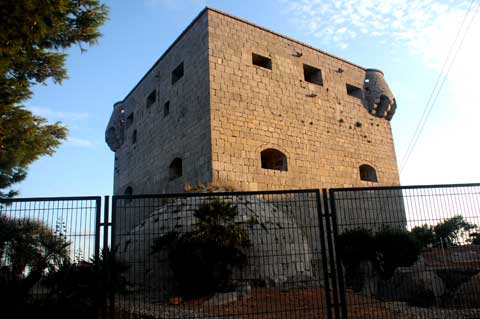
column 379, row 99
column 115, row 132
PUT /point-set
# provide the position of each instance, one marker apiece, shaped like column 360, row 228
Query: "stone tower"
column 233, row 103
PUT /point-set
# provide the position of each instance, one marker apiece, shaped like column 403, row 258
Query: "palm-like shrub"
column 29, row 244
column 82, row 289
column 28, row 250
column 203, row 259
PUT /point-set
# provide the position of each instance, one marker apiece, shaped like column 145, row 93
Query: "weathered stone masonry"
column 233, row 103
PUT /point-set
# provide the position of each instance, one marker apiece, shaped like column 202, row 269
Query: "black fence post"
column 106, row 221
column 98, row 204
column 324, row 254
column 331, row 251
column 341, row 284
column 113, row 250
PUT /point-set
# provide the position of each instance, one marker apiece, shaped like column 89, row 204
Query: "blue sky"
column 408, row 40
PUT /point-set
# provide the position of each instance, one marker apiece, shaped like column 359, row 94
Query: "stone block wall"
column 225, row 110
column 182, row 133
column 325, row 133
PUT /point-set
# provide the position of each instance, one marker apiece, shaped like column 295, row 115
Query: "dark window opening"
column 175, row 169
column 129, row 120
column 177, row 73
column 166, row 108
column 134, row 137
column 274, row 159
column 312, row 74
column 368, row 173
column 128, row 192
column 152, row 98
column 261, row 61
column 354, row 91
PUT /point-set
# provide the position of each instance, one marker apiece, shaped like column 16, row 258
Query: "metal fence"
column 235, row 255
column 39, row 236
column 384, row 252
column 409, row 251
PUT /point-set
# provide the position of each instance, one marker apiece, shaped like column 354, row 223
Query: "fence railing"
column 409, row 250
column 382, row 252
column 39, row 239
column 241, row 255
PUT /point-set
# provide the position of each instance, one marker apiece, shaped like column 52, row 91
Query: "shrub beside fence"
column 385, row 252
column 422, row 253
column 222, row 254
column 48, row 247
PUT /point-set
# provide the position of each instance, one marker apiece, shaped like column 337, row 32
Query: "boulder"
column 279, row 250
column 408, row 283
column 365, row 279
column 468, row 294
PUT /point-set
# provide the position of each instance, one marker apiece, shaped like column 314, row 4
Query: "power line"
column 431, row 103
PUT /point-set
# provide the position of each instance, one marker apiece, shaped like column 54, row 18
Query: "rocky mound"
column 278, row 256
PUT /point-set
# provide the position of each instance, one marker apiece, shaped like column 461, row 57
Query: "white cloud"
column 80, row 142
column 401, row 21
column 53, row 115
column 447, row 149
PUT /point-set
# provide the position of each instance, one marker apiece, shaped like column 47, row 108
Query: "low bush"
column 395, row 248
column 38, row 279
column 203, row 259
column 387, row 249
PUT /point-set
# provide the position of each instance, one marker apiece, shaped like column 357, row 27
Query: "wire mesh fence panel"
column 410, row 251
column 38, row 237
column 221, row 255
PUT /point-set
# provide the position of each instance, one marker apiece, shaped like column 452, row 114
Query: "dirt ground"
column 268, row 303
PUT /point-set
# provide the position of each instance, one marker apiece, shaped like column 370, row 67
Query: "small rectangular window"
column 312, row 74
column 354, row 91
column 261, row 61
column 151, row 98
column 177, row 73
column 129, row 120
column 166, row 108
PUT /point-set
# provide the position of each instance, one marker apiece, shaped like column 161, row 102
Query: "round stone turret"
column 115, row 132
column 379, row 99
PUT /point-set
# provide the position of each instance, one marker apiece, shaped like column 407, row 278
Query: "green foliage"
column 395, row 248
column 33, row 37
column 32, row 255
column 82, row 289
column 28, row 250
column 386, row 250
column 452, row 230
column 474, row 238
column 28, row 243
column 203, row 259
column 23, row 139
column 355, row 246
column 424, row 235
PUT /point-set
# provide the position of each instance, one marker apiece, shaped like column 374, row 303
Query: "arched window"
column 274, row 159
column 368, row 173
column 175, row 169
